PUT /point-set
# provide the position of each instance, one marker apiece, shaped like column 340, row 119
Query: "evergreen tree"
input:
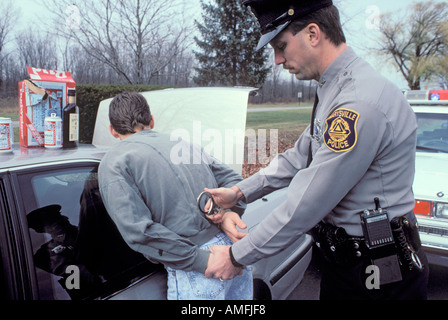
column 226, row 55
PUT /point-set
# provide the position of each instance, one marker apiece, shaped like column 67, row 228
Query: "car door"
column 14, row 278
column 61, row 243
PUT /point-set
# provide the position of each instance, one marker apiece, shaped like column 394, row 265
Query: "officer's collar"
column 340, row 63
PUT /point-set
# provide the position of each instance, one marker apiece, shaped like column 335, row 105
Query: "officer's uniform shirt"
column 363, row 147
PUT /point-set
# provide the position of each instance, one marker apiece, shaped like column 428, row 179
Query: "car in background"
column 431, row 178
column 57, row 241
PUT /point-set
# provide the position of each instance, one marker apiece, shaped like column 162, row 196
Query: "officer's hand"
column 225, row 198
column 229, row 224
column 219, row 265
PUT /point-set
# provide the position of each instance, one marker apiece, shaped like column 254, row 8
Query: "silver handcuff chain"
column 213, row 209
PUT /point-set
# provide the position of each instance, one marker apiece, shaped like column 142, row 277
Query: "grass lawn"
column 283, row 120
column 12, row 115
column 290, row 125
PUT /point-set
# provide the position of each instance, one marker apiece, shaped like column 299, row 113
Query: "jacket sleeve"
column 133, row 219
column 314, row 191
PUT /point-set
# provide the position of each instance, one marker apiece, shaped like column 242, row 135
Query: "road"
column 308, row 289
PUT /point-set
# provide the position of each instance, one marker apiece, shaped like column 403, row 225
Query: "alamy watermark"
column 373, row 280
column 222, row 145
column 73, row 20
column 373, row 20
column 73, row 281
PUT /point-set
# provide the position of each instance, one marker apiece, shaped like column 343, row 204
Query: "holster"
column 407, row 240
column 337, row 247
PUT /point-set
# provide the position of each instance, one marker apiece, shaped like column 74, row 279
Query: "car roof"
column 22, row 156
column 430, row 110
column 428, row 106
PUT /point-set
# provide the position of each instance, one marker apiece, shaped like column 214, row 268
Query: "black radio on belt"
column 376, row 227
column 380, row 241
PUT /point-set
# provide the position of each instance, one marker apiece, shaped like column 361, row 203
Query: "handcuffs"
column 202, row 201
column 213, row 209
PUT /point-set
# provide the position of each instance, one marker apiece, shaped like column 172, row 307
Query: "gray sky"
column 360, row 18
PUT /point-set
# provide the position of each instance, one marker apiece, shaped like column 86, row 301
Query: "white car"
column 431, row 178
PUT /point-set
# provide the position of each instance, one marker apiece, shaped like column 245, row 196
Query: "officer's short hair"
column 327, row 19
column 127, row 111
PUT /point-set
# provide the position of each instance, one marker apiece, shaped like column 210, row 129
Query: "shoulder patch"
column 340, row 134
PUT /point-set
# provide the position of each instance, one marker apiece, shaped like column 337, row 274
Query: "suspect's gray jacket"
column 149, row 186
column 363, row 147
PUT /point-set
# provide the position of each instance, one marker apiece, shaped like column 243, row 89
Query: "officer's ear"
column 314, row 34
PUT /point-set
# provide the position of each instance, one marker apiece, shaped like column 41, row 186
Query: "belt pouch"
column 333, row 244
column 381, row 244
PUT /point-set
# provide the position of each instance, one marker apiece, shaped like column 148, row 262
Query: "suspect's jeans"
column 194, row 285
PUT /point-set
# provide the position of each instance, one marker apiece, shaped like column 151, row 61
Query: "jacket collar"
column 341, row 63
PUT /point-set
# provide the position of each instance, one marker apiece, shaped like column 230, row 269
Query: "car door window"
column 77, row 250
column 432, row 134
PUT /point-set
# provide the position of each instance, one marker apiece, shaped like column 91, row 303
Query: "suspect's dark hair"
column 128, row 111
column 328, row 21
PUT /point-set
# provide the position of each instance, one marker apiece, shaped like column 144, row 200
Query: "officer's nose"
column 278, row 57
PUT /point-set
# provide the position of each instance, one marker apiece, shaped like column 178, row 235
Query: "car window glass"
column 77, row 250
column 432, row 134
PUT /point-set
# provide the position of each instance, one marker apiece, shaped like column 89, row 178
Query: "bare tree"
column 36, row 50
column 442, row 62
column 415, row 42
column 8, row 16
column 276, row 71
column 87, row 70
column 136, row 38
column 442, row 72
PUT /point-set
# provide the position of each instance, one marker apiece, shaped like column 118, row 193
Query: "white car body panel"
column 431, row 184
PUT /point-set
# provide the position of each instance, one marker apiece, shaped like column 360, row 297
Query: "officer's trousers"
column 351, row 283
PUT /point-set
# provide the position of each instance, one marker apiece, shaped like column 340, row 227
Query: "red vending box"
column 44, row 93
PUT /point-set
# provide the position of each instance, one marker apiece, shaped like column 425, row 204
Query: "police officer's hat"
column 275, row 15
column 41, row 217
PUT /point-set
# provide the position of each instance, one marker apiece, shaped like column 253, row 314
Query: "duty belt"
column 339, row 248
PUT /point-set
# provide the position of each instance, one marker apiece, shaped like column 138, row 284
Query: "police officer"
column 353, row 166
